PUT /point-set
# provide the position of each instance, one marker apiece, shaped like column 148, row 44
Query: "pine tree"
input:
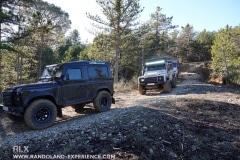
column 120, row 16
column 226, row 54
column 160, row 25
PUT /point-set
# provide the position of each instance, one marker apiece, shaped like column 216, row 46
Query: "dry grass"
column 125, row 86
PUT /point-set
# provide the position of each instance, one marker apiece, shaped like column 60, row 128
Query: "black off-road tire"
column 174, row 82
column 141, row 90
column 103, row 101
column 15, row 118
column 167, row 88
column 40, row 114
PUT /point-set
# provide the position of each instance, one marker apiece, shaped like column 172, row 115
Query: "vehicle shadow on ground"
column 2, row 130
column 80, row 113
column 8, row 127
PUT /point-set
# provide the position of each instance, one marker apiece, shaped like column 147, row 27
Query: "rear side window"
column 74, row 74
column 98, row 72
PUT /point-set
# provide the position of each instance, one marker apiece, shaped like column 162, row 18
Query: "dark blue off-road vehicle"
column 68, row 84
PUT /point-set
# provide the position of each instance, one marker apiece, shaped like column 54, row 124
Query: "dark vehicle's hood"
column 38, row 85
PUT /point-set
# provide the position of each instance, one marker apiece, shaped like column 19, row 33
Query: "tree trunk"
column 40, row 56
column 0, row 55
column 143, row 60
column 21, row 70
column 0, row 48
column 18, row 67
column 116, row 66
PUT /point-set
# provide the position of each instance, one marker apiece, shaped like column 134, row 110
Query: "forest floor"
column 195, row 121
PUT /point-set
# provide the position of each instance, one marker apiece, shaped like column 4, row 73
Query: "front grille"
column 151, row 80
column 7, row 98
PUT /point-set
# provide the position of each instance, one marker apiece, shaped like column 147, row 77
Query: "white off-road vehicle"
column 175, row 67
column 157, row 74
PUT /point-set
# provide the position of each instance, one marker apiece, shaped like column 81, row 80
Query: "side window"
column 97, row 71
column 73, row 74
column 170, row 66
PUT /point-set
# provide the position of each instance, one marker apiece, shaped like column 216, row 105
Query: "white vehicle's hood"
column 155, row 73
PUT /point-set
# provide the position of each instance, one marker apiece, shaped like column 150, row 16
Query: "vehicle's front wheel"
column 103, row 101
column 174, row 82
column 40, row 114
column 141, row 90
column 167, row 88
column 15, row 118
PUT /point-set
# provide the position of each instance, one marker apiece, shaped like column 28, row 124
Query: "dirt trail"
column 190, row 85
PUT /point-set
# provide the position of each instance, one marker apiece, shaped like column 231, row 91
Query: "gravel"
column 195, row 121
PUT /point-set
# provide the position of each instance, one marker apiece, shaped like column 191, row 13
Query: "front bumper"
column 155, row 82
column 151, row 85
column 151, row 80
column 11, row 109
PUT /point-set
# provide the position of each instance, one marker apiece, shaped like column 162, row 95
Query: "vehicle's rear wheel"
column 141, row 90
column 15, row 118
column 167, row 88
column 40, row 114
column 103, row 101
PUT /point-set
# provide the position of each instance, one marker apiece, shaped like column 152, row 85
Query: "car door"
column 73, row 88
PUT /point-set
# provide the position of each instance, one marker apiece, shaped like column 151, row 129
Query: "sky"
column 211, row 15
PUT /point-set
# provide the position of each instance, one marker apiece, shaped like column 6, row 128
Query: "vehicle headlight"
column 141, row 79
column 160, row 78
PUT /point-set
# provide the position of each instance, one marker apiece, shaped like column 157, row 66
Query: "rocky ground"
column 195, row 121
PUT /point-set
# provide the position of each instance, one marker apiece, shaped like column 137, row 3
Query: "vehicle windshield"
column 155, row 67
column 52, row 71
column 175, row 64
